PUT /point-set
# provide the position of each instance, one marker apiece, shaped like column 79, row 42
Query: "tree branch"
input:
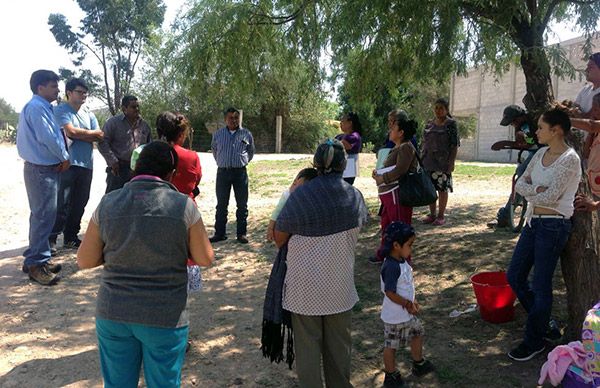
column 91, row 49
column 532, row 8
column 549, row 12
column 106, row 86
column 278, row 20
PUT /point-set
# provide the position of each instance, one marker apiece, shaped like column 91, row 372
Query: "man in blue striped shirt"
column 233, row 148
column 41, row 144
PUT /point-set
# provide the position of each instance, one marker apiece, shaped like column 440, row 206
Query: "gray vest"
column 145, row 237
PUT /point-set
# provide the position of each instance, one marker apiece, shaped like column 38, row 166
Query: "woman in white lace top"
column 549, row 184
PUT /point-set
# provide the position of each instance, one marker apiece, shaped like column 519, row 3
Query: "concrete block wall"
column 485, row 96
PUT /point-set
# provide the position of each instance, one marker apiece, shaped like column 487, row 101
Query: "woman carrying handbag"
column 400, row 161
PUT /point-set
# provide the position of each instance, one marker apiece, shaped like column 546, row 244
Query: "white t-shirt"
column 402, row 273
column 561, row 178
column 585, row 96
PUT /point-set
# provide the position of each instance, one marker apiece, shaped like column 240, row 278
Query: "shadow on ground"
column 49, row 331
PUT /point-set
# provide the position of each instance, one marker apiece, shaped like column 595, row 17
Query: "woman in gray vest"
column 142, row 234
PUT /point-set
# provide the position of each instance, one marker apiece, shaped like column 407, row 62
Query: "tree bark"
column 537, row 80
column 580, row 261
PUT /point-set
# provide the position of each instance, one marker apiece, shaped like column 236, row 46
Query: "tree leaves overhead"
column 230, row 58
column 114, row 33
column 429, row 40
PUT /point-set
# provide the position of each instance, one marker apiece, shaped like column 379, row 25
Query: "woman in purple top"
column 440, row 146
column 352, row 141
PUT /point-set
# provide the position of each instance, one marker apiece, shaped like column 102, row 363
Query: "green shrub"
column 368, row 148
column 8, row 133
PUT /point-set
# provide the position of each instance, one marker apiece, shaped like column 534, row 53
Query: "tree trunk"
column 537, row 80
column 580, row 261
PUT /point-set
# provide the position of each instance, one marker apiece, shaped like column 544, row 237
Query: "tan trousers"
column 326, row 336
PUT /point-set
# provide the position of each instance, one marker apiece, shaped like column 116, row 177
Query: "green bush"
column 368, row 148
column 8, row 133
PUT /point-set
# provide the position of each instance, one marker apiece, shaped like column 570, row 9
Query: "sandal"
column 428, row 220
column 439, row 222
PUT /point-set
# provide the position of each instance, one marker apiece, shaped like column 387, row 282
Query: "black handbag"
column 416, row 188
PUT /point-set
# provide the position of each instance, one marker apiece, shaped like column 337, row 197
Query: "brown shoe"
column 42, row 275
column 52, row 267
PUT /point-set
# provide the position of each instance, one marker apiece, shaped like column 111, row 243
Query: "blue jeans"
column 41, row 184
column 123, row 347
column 238, row 179
column 73, row 195
column 539, row 246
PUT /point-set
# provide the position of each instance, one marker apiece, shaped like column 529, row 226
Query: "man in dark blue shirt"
column 233, row 148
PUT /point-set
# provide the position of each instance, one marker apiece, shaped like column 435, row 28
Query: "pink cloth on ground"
column 559, row 360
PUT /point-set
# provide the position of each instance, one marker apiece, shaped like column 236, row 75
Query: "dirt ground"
column 47, row 334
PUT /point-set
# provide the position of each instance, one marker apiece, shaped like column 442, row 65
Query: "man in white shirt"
column 592, row 75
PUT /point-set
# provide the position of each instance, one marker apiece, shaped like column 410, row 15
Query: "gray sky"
column 28, row 44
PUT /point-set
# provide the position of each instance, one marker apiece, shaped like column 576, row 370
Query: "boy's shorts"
column 401, row 333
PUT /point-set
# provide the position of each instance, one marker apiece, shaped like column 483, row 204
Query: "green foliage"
column 8, row 122
column 379, row 45
column 414, row 97
column 114, row 32
column 368, row 148
column 467, row 126
column 8, row 113
column 206, row 65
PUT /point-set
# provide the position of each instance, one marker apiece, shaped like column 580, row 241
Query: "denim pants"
column 114, row 182
column 539, row 246
column 41, row 184
column 73, row 195
column 238, row 179
column 124, row 347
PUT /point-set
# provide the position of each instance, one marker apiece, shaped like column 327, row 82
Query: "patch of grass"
column 271, row 177
column 482, row 171
column 279, row 166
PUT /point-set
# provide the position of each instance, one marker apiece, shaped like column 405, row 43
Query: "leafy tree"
column 8, row 121
column 162, row 85
column 114, row 32
column 216, row 57
column 428, row 40
column 8, row 113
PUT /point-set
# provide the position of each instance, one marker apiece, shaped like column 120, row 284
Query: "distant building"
column 485, row 95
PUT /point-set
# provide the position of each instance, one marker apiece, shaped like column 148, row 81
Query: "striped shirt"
column 232, row 149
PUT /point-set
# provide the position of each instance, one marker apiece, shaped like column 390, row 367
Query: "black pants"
column 114, row 182
column 73, row 195
column 238, row 179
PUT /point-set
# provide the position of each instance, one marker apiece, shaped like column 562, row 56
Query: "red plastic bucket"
column 494, row 296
